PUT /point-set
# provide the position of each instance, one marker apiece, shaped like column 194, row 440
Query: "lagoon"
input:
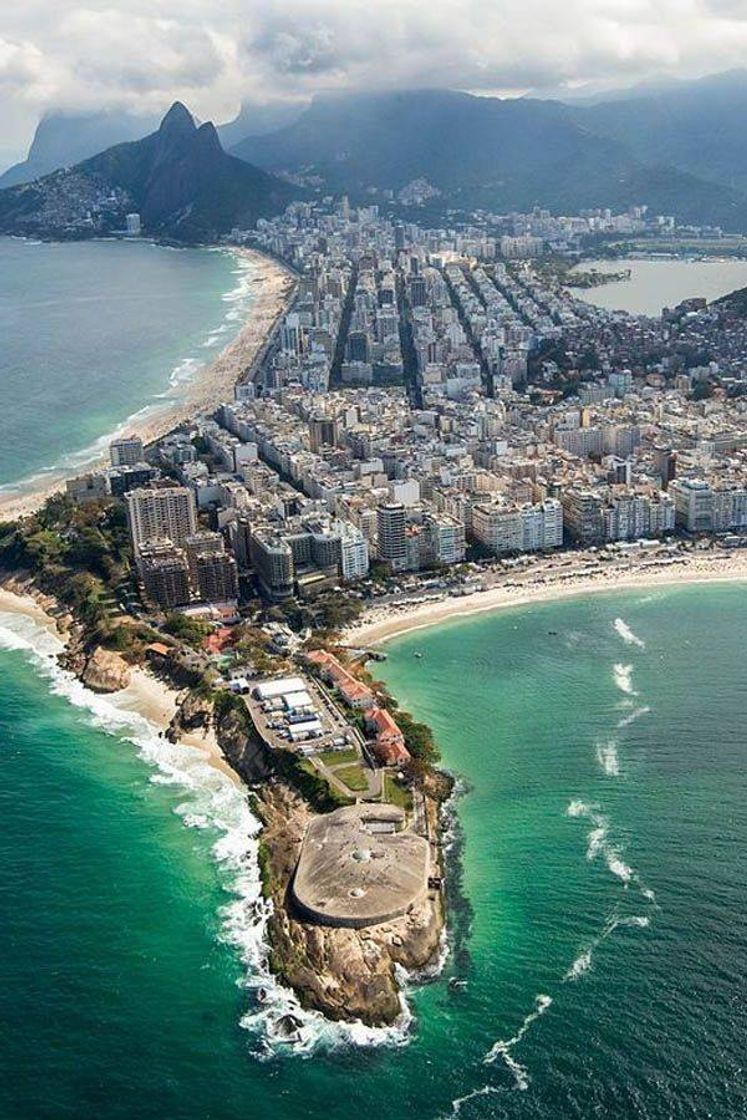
column 658, row 283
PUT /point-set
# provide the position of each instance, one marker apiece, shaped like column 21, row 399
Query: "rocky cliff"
column 344, row 973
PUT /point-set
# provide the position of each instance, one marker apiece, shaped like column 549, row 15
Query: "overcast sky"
column 210, row 53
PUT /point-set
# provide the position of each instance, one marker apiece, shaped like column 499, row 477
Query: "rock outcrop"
column 105, row 671
column 344, row 973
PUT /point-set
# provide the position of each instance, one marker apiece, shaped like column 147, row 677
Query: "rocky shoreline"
column 345, row 974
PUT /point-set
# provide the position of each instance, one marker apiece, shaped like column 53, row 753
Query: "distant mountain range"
column 697, row 127
column 677, row 148
column 673, row 150
column 178, row 179
column 63, row 139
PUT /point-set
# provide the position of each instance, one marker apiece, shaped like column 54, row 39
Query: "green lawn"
column 396, row 794
column 353, row 777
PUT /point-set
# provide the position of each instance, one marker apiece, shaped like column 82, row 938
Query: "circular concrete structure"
column 358, row 868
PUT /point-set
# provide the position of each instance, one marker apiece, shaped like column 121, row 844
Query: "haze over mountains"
column 501, row 154
column 679, row 149
column 63, row 139
column 178, row 179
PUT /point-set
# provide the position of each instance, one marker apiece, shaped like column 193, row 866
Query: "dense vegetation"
column 81, row 555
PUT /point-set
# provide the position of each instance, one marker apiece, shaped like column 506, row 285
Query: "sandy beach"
column 146, row 694
column 213, row 384
column 380, row 624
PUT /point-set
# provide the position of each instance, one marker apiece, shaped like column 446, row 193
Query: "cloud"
column 142, row 55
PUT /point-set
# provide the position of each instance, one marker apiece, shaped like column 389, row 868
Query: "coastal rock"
column 105, row 671
column 193, row 714
column 346, row 974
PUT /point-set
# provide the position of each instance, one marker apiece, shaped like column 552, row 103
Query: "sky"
column 143, row 54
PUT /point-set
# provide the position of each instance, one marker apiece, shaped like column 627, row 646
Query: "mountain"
column 483, row 151
column 178, row 179
column 257, row 119
column 697, row 126
column 63, row 139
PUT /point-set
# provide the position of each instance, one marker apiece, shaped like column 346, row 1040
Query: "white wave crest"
column 598, row 844
column 634, row 715
column 503, row 1047
column 580, row 966
column 623, row 675
column 583, row 962
column 607, row 758
column 627, row 634
column 216, row 802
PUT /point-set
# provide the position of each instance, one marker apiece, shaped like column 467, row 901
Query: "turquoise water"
column 599, row 939
column 95, row 332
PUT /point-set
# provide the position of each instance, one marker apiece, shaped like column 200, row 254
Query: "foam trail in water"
column 623, row 675
column 503, row 1047
column 583, row 962
column 459, row 1102
column 598, row 844
column 218, row 803
column 634, row 715
column 627, row 634
column 608, row 759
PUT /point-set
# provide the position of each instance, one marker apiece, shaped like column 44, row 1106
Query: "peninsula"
column 421, row 422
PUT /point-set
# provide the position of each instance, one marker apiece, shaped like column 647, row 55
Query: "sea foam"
column 623, row 675
column 608, row 759
column 503, row 1047
column 217, row 803
column 627, row 634
column 634, row 715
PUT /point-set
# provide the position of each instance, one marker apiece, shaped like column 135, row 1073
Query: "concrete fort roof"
column 358, row 868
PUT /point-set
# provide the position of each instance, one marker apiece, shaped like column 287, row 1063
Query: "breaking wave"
column 623, row 675
column 627, row 634
column 583, row 962
column 608, row 759
column 216, row 803
column 634, row 715
column 598, row 844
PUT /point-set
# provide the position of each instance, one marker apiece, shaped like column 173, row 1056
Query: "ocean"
column 598, row 888
column 94, row 333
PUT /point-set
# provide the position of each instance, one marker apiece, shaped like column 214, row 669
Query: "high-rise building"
column 134, row 226
column 527, row 528
column 272, row 560
column 163, row 512
column 215, row 577
column 353, row 551
column 322, row 432
column 391, row 523
column 164, row 572
column 126, row 452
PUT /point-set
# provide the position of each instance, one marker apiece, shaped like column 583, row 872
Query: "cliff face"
column 245, row 752
column 344, row 973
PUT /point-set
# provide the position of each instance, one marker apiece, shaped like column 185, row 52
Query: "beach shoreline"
column 383, row 624
column 146, row 695
column 211, row 385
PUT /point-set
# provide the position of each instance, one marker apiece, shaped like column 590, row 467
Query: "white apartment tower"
column 167, row 512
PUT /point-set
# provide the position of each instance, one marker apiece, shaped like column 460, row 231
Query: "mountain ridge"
column 508, row 154
column 178, row 178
